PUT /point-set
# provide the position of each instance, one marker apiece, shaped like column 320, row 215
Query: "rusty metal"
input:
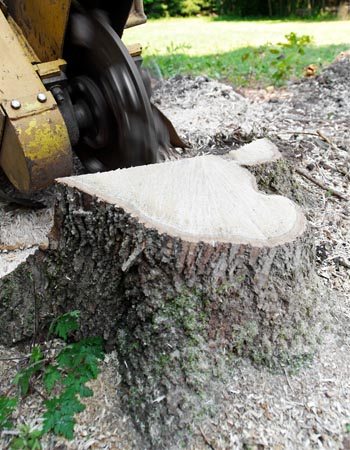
column 43, row 23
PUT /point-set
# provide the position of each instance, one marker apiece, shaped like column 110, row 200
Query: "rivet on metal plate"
column 41, row 97
column 15, row 104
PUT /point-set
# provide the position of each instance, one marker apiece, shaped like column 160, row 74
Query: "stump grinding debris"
column 306, row 406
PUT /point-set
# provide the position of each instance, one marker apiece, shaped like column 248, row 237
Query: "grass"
column 217, row 48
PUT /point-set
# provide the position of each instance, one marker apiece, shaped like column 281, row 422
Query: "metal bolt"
column 59, row 98
column 15, row 104
column 41, row 97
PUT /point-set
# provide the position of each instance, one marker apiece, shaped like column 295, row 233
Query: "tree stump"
column 273, row 173
column 179, row 266
column 256, row 153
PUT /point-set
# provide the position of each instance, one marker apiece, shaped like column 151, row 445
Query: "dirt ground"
column 303, row 407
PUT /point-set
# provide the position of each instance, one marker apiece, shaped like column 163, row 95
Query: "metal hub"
column 91, row 112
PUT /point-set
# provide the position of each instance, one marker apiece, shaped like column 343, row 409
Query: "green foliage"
column 82, row 357
column 240, row 8
column 59, row 416
column 27, row 439
column 75, row 365
column 296, row 42
column 158, row 8
column 65, row 324
column 65, row 375
column 36, row 363
column 51, row 375
column 190, row 7
column 7, row 407
column 281, row 60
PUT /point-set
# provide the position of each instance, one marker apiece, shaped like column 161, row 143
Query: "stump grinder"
column 68, row 83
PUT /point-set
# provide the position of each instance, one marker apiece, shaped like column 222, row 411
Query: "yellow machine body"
column 35, row 146
column 34, row 143
column 43, row 24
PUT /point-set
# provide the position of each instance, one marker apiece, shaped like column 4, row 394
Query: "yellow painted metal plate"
column 51, row 68
column 35, row 147
column 17, row 75
column 43, row 23
column 30, row 106
column 36, row 150
column 30, row 53
column 134, row 49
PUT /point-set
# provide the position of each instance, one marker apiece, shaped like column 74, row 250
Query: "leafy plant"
column 280, row 60
column 75, row 365
column 7, row 407
column 27, row 439
column 36, row 363
column 65, row 324
column 65, row 374
column 289, row 52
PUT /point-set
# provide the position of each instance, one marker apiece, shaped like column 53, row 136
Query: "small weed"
column 177, row 48
column 27, row 439
column 64, row 324
column 279, row 62
column 7, row 407
column 66, row 374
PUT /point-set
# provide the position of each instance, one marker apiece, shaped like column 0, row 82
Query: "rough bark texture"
column 177, row 312
column 278, row 177
column 273, row 173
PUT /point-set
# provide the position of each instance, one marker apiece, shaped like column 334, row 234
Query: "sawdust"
column 302, row 407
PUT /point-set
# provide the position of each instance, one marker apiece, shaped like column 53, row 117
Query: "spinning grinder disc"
column 117, row 125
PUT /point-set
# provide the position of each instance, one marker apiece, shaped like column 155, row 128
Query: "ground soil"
column 306, row 406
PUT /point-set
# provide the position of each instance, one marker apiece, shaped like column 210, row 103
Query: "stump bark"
column 179, row 266
column 273, row 173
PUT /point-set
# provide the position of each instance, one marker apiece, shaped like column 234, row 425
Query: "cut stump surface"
column 199, row 199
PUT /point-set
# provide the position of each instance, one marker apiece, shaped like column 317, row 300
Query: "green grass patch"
column 219, row 48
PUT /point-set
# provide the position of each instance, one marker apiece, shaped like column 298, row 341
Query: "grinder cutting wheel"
column 68, row 82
